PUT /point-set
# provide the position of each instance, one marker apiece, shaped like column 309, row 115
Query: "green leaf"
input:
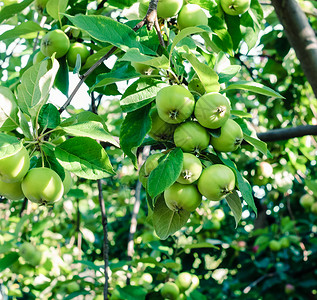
column 166, row 173
column 200, row 245
column 312, row 185
column 167, row 222
column 36, row 83
column 184, row 33
column 235, row 205
column 76, row 294
column 49, row 116
column 254, row 87
column 243, row 184
column 140, row 93
column 88, row 124
column 41, row 225
column 133, row 131
column 50, row 161
column 84, row 157
column 106, row 29
column 240, row 114
column 233, row 28
column 228, row 73
column 134, row 55
column 26, row 30
column 9, row 145
column 8, row 110
column 132, row 292
column 62, row 77
column 11, row 10
column 24, row 125
column 206, row 74
column 8, row 260
column 56, row 8
column 258, row 144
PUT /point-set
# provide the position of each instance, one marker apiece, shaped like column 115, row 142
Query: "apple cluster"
column 58, row 41
column 179, row 118
column 175, row 290
column 40, row 185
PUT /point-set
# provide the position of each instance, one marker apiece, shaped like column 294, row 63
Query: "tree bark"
column 300, row 35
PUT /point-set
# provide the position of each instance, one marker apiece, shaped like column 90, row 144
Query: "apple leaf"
column 56, row 8
column 9, row 11
column 9, row 145
column 8, row 110
column 167, row 222
column 234, row 203
column 8, row 260
column 166, row 173
column 258, row 144
column 49, row 116
column 84, row 157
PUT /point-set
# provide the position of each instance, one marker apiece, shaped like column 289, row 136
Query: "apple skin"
column 195, row 86
column 38, row 57
column 191, row 137
column 30, row 254
column 74, row 49
column 216, row 182
column 42, row 185
column 11, row 190
column 13, row 168
column 152, row 162
column 230, row 138
column 307, row 201
column 212, row 110
column 284, row 241
column 174, row 104
column 191, row 170
column 71, row 31
column 165, row 8
column 55, row 41
column 72, row 287
column 40, row 5
column 160, row 130
column 183, row 281
column 235, row 7
column 182, row 197
column 314, row 208
column 275, row 245
column 191, row 15
column 170, row 291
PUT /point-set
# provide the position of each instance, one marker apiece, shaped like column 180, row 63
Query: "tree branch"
column 287, row 133
column 300, row 35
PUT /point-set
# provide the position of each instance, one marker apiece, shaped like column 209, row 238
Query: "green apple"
column 30, row 254
column 142, row 68
column 38, row 57
column 174, row 104
column 284, row 241
column 191, row 170
column 191, row 137
column 195, row 86
column 55, row 41
column 11, row 190
column 183, row 281
column 307, row 201
column 314, row 208
column 152, row 162
column 42, row 185
column 40, row 5
column 216, row 182
column 275, row 245
column 14, row 167
column 72, row 287
column 74, row 50
column 71, row 31
column 165, row 8
column 235, row 7
column 230, row 138
column 191, row 15
column 212, row 110
column 160, row 130
column 182, row 197
column 170, row 291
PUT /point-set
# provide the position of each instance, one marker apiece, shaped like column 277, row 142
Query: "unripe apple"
column 174, row 104
column 152, row 162
column 191, row 15
column 40, row 5
column 38, row 57
column 182, row 197
column 55, row 41
column 30, row 254
column 307, row 201
column 74, row 50
column 275, row 245
column 314, row 208
column 170, row 291
column 14, row 167
column 196, row 86
column 72, row 287
column 216, row 182
column 42, row 185
column 11, row 190
column 184, row 281
column 235, row 7
column 284, row 241
column 165, row 8
column 191, row 170
column 212, row 110
column 160, row 130
column 71, row 31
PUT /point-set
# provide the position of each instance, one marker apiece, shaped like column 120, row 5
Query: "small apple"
column 74, row 50
column 14, row 167
column 71, row 31
column 11, row 190
column 40, row 5
column 235, row 7
column 72, row 287
column 307, row 201
column 191, row 137
column 168, row 8
column 191, row 169
column 55, row 41
column 152, row 162
column 275, row 245
column 182, row 197
column 191, row 15
column 314, row 208
column 212, row 110
column 38, row 57
column 170, row 291
column 195, row 86
column 174, row 104
column 284, row 241
column 230, row 138
column 42, row 185
column 184, row 281
column 216, row 182
column 30, row 254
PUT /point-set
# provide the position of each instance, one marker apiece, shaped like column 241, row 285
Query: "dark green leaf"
column 49, row 116
column 8, row 260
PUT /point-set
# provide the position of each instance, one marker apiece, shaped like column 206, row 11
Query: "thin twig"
column 23, row 207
